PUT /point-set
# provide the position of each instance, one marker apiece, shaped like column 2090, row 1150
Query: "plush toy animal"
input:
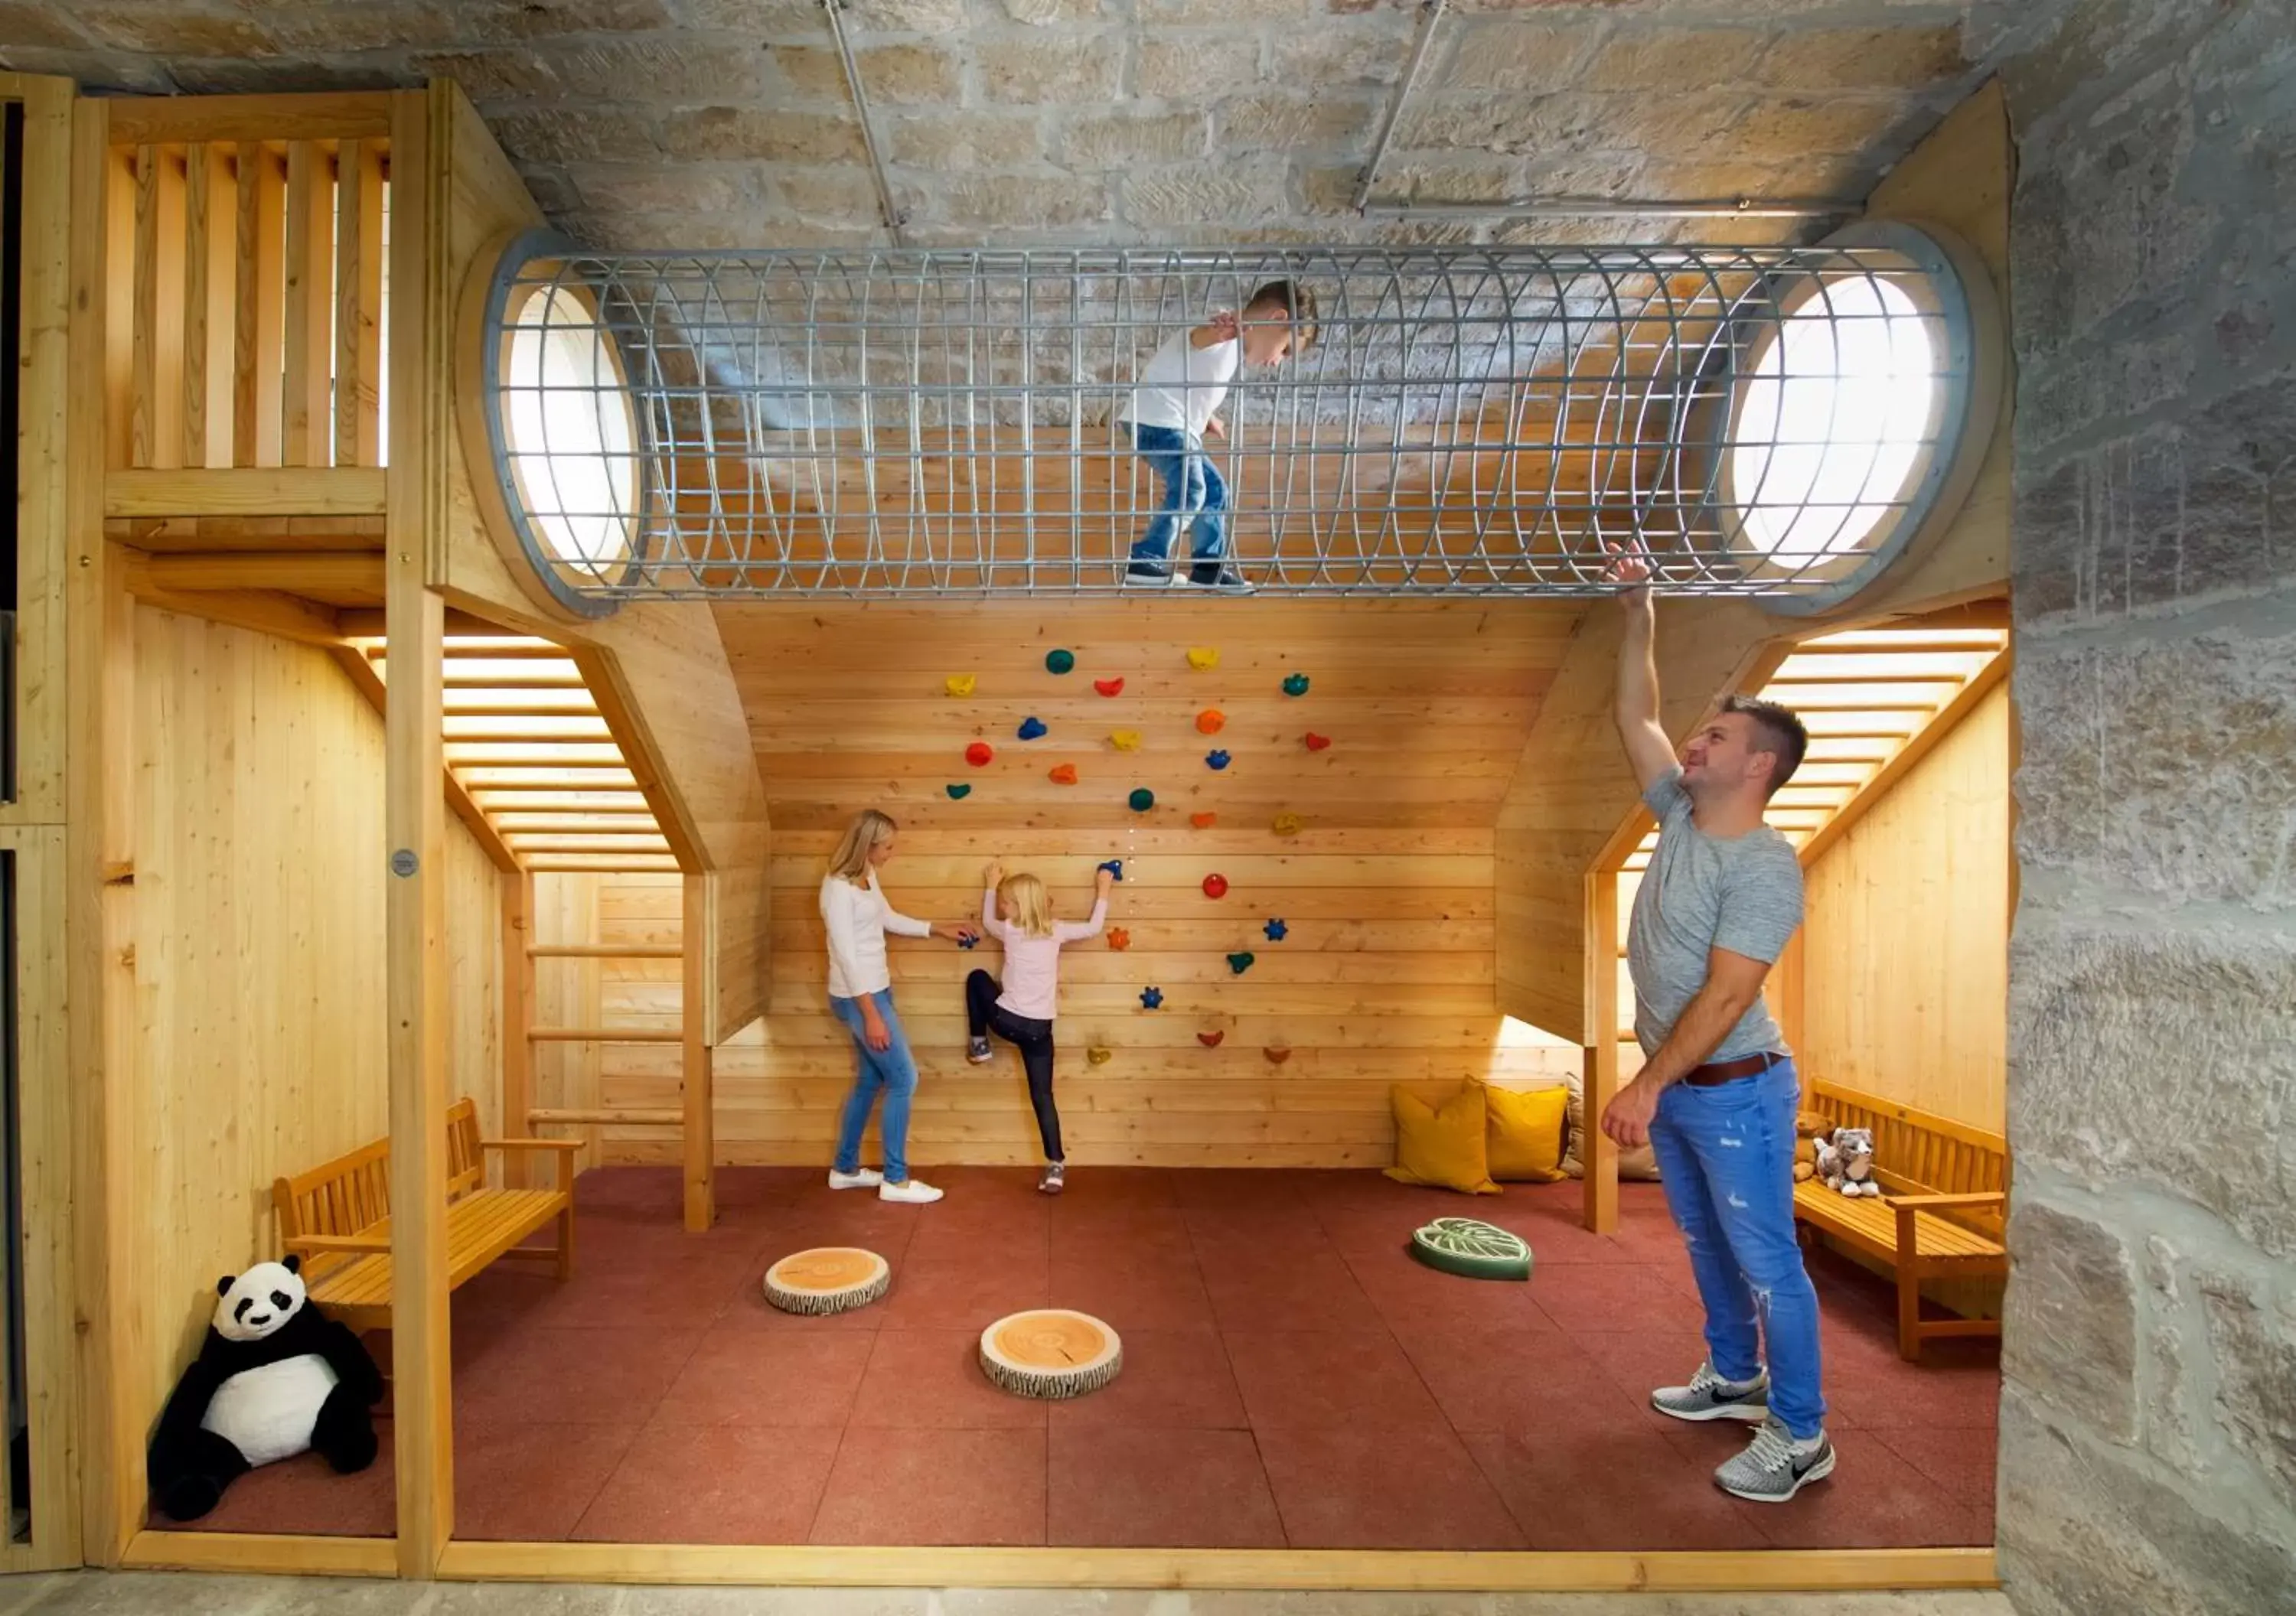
column 1845, row 1162
column 1808, row 1125
column 273, row 1378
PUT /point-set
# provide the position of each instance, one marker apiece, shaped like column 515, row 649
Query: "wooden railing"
column 246, row 253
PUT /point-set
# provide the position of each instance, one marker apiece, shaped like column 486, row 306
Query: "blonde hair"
column 1032, row 912
column 851, row 859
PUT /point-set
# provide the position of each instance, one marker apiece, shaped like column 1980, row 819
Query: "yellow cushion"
column 1441, row 1145
column 1525, row 1132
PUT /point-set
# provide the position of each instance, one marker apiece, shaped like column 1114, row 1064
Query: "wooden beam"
column 264, row 612
column 296, row 571
column 415, row 756
column 1596, row 1152
column 361, row 674
column 517, row 1016
column 695, row 1064
column 166, row 119
column 604, row 1035
column 604, row 1117
column 313, row 491
column 1907, row 756
column 309, row 437
column 359, row 303
column 259, row 1554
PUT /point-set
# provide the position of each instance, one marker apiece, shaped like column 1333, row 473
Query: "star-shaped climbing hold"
column 1119, row 938
column 1060, row 662
column 957, row 793
column 1216, row 760
column 1295, row 684
column 1275, row 930
column 967, row 941
column 1030, row 728
column 1241, row 963
column 1152, row 999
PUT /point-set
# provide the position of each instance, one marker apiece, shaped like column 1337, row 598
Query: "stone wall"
column 2148, row 1424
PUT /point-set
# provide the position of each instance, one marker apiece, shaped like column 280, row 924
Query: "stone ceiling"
column 699, row 123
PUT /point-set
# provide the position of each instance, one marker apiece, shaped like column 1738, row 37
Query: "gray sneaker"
column 978, row 1052
column 1055, row 1179
column 1709, row 1397
column 1774, row 1467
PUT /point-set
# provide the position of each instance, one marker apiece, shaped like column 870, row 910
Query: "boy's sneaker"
column 1055, row 1178
column 1709, row 1397
column 1774, row 1467
column 916, row 1192
column 1213, row 575
column 978, row 1052
column 861, row 1178
column 1149, row 575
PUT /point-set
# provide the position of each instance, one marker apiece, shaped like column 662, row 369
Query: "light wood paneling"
column 1906, row 943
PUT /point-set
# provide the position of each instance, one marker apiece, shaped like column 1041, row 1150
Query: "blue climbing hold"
column 1115, row 867
column 1273, row 931
column 1295, row 684
column 957, row 794
column 1142, row 799
column 967, row 941
column 1152, row 999
column 1031, row 728
column 1216, row 760
column 1059, row 662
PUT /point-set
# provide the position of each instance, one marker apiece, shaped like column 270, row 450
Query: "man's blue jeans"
column 892, row 1070
column 1193, row 493
column 1726, row 1154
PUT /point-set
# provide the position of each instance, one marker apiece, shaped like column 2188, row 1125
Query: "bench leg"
column 566, row 1243
column 1909, row 1312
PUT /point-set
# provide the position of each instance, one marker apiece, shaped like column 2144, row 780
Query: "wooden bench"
column 1939, row 1216
column 337, row 1218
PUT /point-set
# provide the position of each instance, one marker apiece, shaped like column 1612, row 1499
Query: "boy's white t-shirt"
column 1183, row 386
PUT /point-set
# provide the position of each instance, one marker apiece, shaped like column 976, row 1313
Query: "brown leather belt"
column 1731, row 1070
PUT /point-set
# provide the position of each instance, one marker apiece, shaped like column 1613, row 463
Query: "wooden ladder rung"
column 605, row 950
column 608, row 1118
column 604, row 1035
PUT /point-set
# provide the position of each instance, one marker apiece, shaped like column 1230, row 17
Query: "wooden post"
column 696, row 1067
column 1597, row 1153
column 415, row 823
column 517, row 1020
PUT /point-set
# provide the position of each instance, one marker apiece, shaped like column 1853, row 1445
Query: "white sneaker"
column 866, row 1177
column 916, row 1191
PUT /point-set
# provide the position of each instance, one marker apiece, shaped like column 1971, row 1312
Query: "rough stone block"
column 1292, row 122
column 576, row 134
column 910, row 75
column 1214, row 12
column 1820, row 61
column 2071, row 1331
column 554, row 190
column 172, row 30
column 1208, row 195
column 1050, row 13
column 96, row 72
column 947, row 141
column 2082, row 1531
column 493, row 75
column 2077, row 62
column 670, row 69
column 23, row 24
column 766, row 18
column 1200, row 63
column 761, row 135
column 2199, row 803
column 501, row 24
column 841, row 196
column 908, row 16
column 1329, row 189
column 1457, row 180
column 1503, row 54
column 810, row 74
column 282, row 75
column 687, row 188
column 997, row 201
column 1033, row 72
column 352, row 26
column 1823, row 124
column 1670, row 60
column 1366, row 50
column 2171, row 1335
column 2252, row 1338
column 1109, row 140
column 2149, row 1051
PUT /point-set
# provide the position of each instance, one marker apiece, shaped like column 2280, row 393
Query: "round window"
column 569, row 438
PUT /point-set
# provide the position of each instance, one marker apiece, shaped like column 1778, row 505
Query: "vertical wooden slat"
column 307, row 434
column 697, row 1064
column 1596, row 1152
column 207, row 339
column 144, row 377
column 517, row 1016
column 359, row 303
column 247, row 255
column 196, row 205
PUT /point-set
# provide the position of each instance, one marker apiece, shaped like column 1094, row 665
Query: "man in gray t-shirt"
column 1718, row 1093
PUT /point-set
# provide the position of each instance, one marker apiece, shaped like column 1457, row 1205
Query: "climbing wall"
column 1387, row 730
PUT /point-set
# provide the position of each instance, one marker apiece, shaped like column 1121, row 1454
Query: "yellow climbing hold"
column 1203, row 659
column 1288, row 824
column 1125, row 740
column 1099, row 1057
column 960, row 684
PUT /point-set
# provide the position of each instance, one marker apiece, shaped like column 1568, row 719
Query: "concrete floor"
column 96, row 1594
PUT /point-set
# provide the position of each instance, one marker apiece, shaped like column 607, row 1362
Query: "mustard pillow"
column 1441, row 1145
column 1525, row 1132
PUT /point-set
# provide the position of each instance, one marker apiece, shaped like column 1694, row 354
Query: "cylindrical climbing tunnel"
column 1772, row 421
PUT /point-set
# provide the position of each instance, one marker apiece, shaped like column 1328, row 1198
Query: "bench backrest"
column 353, row 1192
column 1919, row 1152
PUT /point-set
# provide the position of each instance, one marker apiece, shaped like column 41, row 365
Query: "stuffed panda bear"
column 273, row 1378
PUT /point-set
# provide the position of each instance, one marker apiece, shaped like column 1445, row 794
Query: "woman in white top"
column 861, row 996
column 1016, row 911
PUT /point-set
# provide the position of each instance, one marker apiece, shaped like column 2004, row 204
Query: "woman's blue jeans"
column 1194, row 492
column 892, row 1070
column 1726, row 1154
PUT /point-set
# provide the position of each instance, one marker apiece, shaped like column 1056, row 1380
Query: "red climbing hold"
column 1108, row 686
column 1215, row 886
column 1062, row 774
column 1203, row 821
column 977, row 753
column 1211, row 1040
column 1119, row 938
column 1316, row 743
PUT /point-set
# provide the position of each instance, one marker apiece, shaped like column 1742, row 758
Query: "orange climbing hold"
column 1203, row 821
column 1211, row 721
column 1119, row 938
column 1062, row 774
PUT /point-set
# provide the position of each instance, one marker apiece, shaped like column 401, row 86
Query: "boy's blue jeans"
column 1193, row 493
column 1726, row 1154
column 892, row 1070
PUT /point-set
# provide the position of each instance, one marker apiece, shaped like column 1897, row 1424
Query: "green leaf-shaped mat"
column 1472, row 1249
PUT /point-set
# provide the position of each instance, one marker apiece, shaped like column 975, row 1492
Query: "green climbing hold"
column 1295, row 684
column 1472, row 1249
column 1241, row 963
column 957, row 794
column 1060, row 662
column 1142, row 799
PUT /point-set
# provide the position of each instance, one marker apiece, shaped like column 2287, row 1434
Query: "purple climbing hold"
column 1031, row 728
column 1216, row 760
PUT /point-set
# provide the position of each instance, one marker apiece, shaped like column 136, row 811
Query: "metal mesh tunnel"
column 1765, row 421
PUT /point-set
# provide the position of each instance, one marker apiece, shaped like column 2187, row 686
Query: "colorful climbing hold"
column 1203, row 659
column 1275, row 930
column 1211, row 721
column 1203, row 821
column 1108, row 686
column 978, row 752
column 1030, row 728
column 1152, row 999
column 1288, row 824
column 960, row 684
column 1119, row 938
column 1212, row 1040
column 1241, row 963
column 1295, row 684
column 968, row 941
column 1215, row 886
column 1277, row 1054
column 1216, row 760
column 1060, row 662
column 1099, row 1056
column 1316, row 743
column 1114, row 867
column 958, row 792
column 1142, row 799
column 1124, row 741
column 1062, row 774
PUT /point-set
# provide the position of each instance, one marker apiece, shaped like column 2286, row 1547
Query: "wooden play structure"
column 335, row 840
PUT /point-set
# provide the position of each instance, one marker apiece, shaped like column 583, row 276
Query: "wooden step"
column 605, row 950
column 607, row 1119
column 604, row 1035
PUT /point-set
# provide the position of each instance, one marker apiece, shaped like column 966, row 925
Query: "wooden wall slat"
column 307, row 434
column 144, row 379
column 359, row 303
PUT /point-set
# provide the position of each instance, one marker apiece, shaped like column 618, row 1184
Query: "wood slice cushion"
column 827, row 1279
column 1050, row 1353
column 1472, row 1249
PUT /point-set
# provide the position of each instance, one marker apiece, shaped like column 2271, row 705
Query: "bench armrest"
column 318, row 1245
column 1991, row 1197
column 529, row 1143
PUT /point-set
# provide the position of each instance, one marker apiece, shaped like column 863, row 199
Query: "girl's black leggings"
column 1035, row 1039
